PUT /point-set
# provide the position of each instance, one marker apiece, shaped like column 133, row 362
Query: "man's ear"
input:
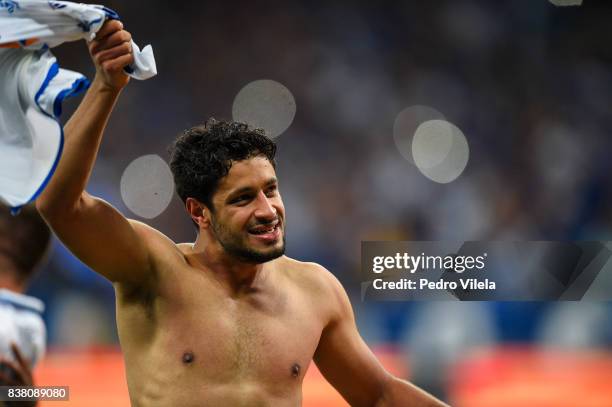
column 199, row 213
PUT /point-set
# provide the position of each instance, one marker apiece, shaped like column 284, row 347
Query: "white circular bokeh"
column 147, row 186
column 406, row 123
column 440, row 150
column 265, row 104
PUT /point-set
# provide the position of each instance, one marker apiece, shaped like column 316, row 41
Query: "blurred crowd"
column 529, row 84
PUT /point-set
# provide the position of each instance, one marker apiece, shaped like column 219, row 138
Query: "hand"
column 111, row 51
column 16, row 374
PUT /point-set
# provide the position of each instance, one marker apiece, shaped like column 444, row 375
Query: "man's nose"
column 265, row 209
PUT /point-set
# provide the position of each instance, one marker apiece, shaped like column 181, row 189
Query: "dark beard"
column 241, row 252
column 247, row 255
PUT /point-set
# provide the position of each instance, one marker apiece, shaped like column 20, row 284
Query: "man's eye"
column 271, row 191
column 240, row 199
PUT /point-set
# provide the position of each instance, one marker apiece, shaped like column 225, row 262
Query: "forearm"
column 399, row 393
column 83, row 134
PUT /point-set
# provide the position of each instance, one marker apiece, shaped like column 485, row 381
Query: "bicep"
column 345, row 359
column 102, row 238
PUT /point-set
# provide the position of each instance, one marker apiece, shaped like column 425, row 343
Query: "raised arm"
column 351, row 367
column 91, row 228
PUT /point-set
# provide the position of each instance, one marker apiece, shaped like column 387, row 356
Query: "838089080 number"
column 30, row 393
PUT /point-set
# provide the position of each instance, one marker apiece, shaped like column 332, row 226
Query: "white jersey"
column 33, row 87
column 21, row 323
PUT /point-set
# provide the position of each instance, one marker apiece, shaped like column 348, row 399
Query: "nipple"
column 295, row 370
column 188, row 358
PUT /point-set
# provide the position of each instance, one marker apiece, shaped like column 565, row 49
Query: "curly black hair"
column 202, row 155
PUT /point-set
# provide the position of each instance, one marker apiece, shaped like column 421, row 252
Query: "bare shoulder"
column 305, row 272
column 153, row 238
column 160, row 247
column 317, row 281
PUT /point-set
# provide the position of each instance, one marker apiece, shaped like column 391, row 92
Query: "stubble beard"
column 235, row 246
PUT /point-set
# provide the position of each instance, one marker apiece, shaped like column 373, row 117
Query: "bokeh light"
column 440, row 150
column 147, row 186
column 406, row 123
column 265, row 104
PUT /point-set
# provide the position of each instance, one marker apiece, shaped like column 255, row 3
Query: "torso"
column 188, row 343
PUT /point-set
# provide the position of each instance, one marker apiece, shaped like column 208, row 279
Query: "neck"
column 236, row 275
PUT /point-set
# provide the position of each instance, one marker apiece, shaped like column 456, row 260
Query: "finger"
column 113, row 53
column 22, row 361
column 109, row 27
column 110, row 41
column 117, row 64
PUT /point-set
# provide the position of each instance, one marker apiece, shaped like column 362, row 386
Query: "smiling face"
column 248, row 219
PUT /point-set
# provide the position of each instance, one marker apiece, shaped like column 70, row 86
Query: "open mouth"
column 266, row 232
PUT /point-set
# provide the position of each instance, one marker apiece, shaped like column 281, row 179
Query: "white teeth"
column 261, row 232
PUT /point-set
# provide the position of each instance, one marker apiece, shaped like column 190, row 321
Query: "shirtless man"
column 228, row 320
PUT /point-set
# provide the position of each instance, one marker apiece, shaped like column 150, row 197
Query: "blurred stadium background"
column 528, row 84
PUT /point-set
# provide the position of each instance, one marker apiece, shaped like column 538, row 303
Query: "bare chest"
column 266, row 337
